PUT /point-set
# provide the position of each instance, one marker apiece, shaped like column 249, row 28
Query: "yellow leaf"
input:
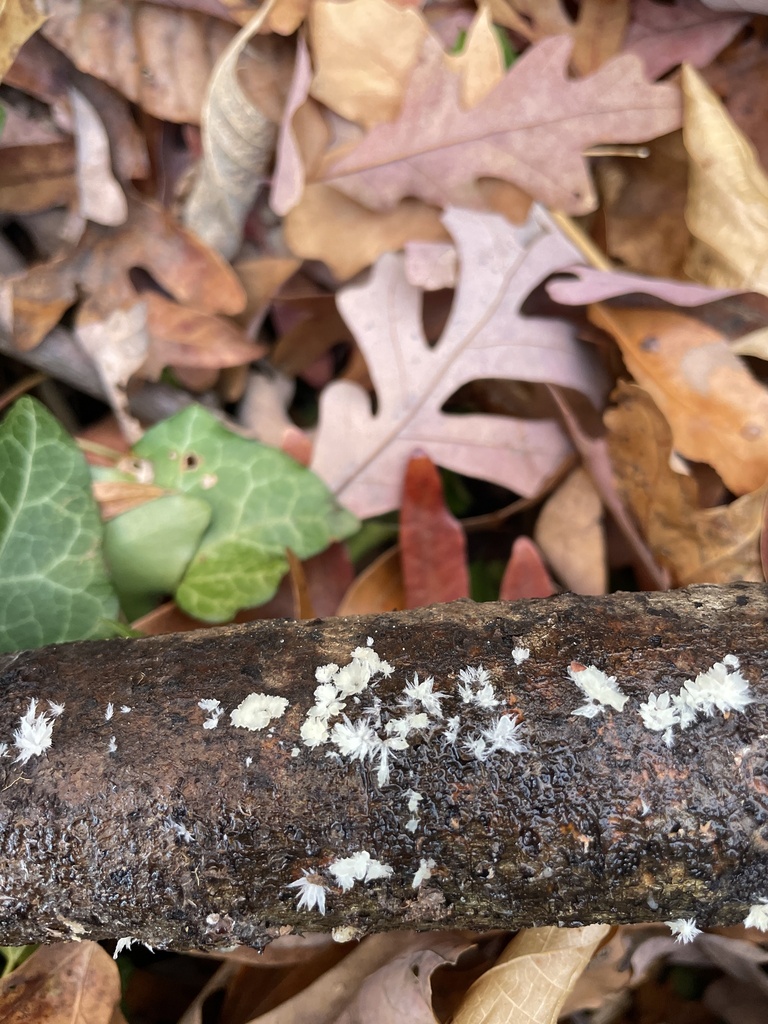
column 534, row 975
column 364, row 52
column 481, row 62
column 19, row 19
column 727, row 208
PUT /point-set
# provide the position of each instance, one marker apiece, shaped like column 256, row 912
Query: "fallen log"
column 464, row 765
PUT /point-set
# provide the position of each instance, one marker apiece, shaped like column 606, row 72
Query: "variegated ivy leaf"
column 53, row 582
column 262, row 503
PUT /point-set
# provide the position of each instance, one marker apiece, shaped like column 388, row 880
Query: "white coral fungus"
column 660, row 714
column 33, row 737
column 758, row 916
column 503, row 735
column 424, row 873
column 355, row 740
column 475, row 687
column 520, row 654
column 722, row 688
column 684, row 929
column 718, row 688
column 257, row 710
column 311, row 892
column 600, row 689
column 214, row 709
column 360, row 867
column 451, row 731
column 423, row 693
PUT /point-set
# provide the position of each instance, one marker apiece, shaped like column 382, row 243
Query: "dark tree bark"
column 172, row 837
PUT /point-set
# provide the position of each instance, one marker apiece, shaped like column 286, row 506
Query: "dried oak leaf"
column 697, row 545
column 362, row 455
column 98, row 269
column 158, row 57
column 532, row 130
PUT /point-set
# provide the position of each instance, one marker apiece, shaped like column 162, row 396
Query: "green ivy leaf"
column 149, row 548
column 262, row 503
column 53, row 582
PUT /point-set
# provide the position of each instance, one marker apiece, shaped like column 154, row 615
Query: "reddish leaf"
column 433, row 545
column 525, row 575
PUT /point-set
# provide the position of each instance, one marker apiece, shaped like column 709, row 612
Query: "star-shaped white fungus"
column 684, row 929
column 311, row 892
column 758, row 916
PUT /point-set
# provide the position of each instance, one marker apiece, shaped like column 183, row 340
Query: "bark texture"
column 175, row 838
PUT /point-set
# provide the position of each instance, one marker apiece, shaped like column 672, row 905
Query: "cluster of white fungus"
column 475, row 687
column 600, row 690
column 257, row 710
column 214, row 709
column 33, row 737
column 721, row 688
column 360, row 867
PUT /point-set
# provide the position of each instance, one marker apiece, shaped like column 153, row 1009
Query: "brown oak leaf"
column 532, row 130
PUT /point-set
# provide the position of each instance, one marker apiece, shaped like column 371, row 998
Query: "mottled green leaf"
column 262, row 503
column 53, row 582
column 149, row 548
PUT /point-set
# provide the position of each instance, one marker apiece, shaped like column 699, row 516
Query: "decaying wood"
column 174, row 838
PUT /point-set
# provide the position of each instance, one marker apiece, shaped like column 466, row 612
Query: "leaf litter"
column 353, row 244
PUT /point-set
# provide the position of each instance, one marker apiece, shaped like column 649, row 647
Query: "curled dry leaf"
column 99, row 269
column 158, row 57
column 34, row 178
column 533, row 976
column 65, row 983
column 367, row 983
column 101, row 199
column 727, row 209
column 379, row 588
column 45, row 73
column 183, row 337
column 436, row 150
column 118, row 346
column 362, row 456
column 571, row 534
column 717, row 411
column 238, row 142
column 697, row 545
